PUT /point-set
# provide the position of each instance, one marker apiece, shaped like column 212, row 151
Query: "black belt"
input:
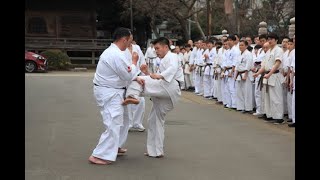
column 200, row 69
column 261, row 78
column 209, row 64
column 240, row 74
column 109, row 87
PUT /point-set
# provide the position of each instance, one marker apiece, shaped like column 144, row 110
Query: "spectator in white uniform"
column 193, row 65
column 243, row 78
column 224, row 73
column 272, row 81
column 258, row 55
column 291, row 75
column 150, row 56
column 208, row 79
column 199, row 62
column 292, row 81
column 136, row 111
column 232, row 56
column 186, row 67
column 217, row 60
column 287, row 97
column 258, row 80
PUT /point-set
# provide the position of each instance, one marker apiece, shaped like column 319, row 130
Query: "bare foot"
column 130, row 100
column 95, row 160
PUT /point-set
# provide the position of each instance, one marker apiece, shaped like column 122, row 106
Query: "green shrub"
column 57, row 60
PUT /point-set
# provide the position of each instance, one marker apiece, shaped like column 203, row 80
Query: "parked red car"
column 35, row 62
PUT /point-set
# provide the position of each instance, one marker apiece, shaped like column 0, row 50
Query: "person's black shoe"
column 292, row 125
column 279, row 121
column 269, row 120
column 263, row 116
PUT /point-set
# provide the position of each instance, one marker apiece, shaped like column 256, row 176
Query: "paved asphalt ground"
column 203, row 141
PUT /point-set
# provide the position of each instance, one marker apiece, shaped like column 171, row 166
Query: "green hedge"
column 57, row 60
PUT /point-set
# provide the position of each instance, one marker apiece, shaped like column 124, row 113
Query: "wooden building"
column 68, row 25
column 60, row 19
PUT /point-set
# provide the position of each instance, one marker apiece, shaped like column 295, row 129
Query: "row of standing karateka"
column 260, row 80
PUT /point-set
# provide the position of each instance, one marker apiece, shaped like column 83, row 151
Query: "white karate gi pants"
column 244, row 95
column 137, row 113
column 274, row 99
column 112, row 111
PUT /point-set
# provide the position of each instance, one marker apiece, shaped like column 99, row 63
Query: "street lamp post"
column 189, row 28
column 189, row 24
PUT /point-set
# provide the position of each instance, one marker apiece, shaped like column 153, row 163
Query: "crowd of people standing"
column 257, row 79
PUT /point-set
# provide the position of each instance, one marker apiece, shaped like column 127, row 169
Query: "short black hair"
column 258, row 46
column 218, row 44
column 121, row 32
column 162, row 41
column 263, row 36
column 273, row 36
column 187, row 45
column 245, row 42
column 232, row 37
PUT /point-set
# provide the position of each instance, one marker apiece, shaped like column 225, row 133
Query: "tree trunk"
column 198, row 26
column 184, row 27
column 153, row 27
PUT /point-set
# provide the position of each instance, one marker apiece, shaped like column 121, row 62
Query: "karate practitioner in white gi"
column 192, row 63
column 150, row 56
column 186, row 67
column 208, row 80
column 199, row 61
column 272, row 81
column 293, row 84
column 224, row 73
column 217, row 72
column 258, row 55
column 232, row 57
column 136, row 111
column 291, row 45
column 284, row 72
column 243, row 79
column 163, row 88
column 287, row 94
column 112, row 76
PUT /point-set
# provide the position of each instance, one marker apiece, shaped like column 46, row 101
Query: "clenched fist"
column 135, row 58
column 144, row 69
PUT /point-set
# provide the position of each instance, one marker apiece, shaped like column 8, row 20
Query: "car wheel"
column 30, row 66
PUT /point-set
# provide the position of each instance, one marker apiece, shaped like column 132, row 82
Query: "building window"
column 37, row 25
